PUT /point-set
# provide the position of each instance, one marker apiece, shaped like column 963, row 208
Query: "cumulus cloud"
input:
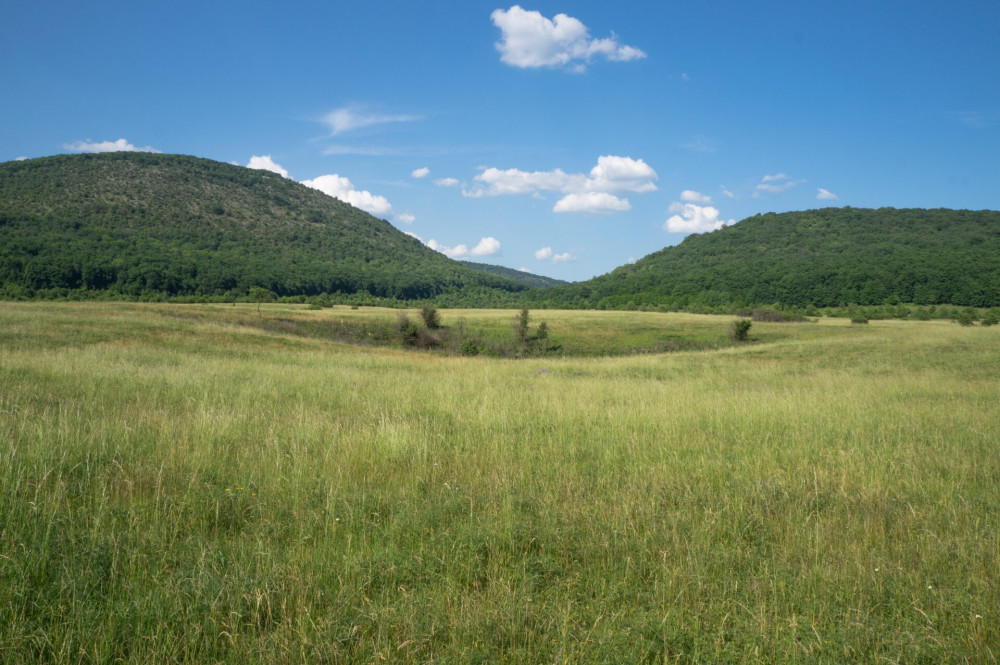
column 591, row 193
column 341, row 188
column 691, row 196
column 825, row 195
column 406, row 218
column 447, row 182
column 266, row 163
column 421, row 172
column 487, row 247
column 592, row 203
column 692, row 218
column 530, row 40
column 349, row 118
column 22, row 158
column 546, row 254
column 121, row 145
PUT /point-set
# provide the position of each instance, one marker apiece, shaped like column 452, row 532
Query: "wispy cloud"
column 530, row 40
column 700, row 144
column 775, row 184
column 121, row 145
column 825, row 195
column 350, row 118
column 447, row 182
column 422, row 172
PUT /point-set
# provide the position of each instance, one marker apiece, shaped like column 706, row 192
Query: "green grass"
column 178, row 485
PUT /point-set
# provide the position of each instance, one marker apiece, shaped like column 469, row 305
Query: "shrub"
column 991, row 318
column 739, row 330
column 409, row 334
column 471, row 348
column 431, row 317
column 965, row 318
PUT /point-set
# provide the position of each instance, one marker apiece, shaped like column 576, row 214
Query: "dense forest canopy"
column 527, row 278
column 823, row 258
column 135, row 224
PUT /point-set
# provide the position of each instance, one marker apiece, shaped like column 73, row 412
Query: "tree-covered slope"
column 135, row 224
column 527, row 278
column 825, row 257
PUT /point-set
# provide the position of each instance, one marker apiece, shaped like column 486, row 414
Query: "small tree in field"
column 521, row 325
column 259, row 294
column 739, row 330
column 431, row 317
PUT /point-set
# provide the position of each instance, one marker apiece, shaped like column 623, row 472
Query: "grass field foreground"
column 178, row 487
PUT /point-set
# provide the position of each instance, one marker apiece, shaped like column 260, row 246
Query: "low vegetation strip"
column 187, row 489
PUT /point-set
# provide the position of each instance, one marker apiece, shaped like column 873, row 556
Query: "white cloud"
column 447, row 182
column 421, row 172
column 589, row 193
column 825, row 195
column 691, row 196
column 725, row 192
column 487, row 247
column 592, row 203
column 121, row 145
column 350, row 118
column 266, row 163
column 406, row 218
column 546, row 254
column 516, row 181
column 341, row 188
column 775, row 184
column 621, row 174
column 529, row 40
column 21, row 159
column 694, row 219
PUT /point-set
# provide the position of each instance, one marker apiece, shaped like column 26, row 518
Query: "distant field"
column 194, row 483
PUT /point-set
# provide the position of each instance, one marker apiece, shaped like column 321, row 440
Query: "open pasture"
column 178, row 485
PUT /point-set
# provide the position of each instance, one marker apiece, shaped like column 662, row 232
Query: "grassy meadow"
column 198, row 484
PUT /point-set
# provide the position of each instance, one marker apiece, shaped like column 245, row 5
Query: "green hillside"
column 824, row 258
column 527, row 278
column 147, row 225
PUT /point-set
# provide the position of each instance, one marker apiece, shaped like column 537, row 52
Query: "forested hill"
column 827, row 257
column 527, row 278
column 142, row 225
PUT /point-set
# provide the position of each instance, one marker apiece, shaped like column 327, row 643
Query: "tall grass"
column 189, row 489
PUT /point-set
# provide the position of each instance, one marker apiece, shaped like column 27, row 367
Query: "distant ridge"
column 527, row 278
column 824, row 258
column 141, row 225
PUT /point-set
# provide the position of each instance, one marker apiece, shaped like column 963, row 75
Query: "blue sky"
column 565, row 138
